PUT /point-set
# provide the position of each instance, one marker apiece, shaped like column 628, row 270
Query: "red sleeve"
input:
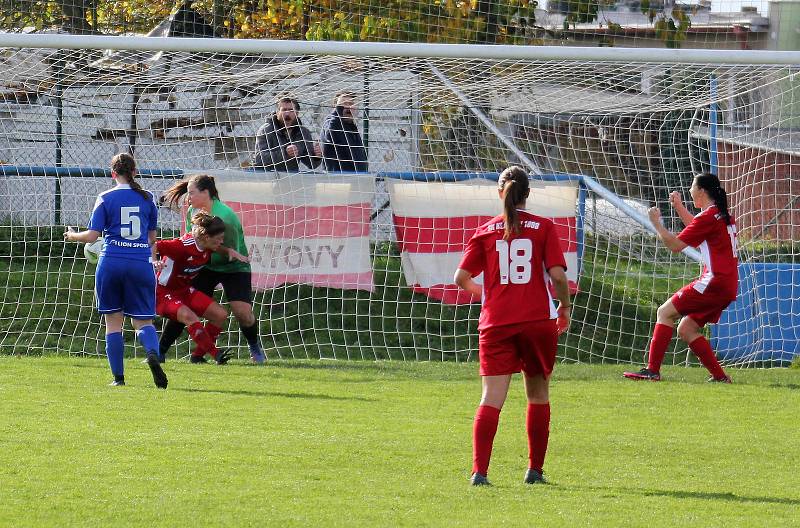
column 170, row 248
column 698, row 230
column 473, row 260
column 553, row 255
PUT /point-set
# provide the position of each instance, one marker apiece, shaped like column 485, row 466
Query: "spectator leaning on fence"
column 283, row 142
column 342, row 148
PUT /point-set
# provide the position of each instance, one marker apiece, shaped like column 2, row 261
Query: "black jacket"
column 271, row 142
column 342, row 148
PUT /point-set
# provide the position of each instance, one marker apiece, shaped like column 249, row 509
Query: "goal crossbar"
column 384, row 49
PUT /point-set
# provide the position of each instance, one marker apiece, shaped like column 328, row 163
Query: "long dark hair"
column 203, row 182
column 710, row 183
column 515, row 187
column 124, row 165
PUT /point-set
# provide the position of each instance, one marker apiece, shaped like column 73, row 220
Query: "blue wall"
column 763, row 324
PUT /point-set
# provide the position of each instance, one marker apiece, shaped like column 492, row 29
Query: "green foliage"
column 673, row 29
column 787, row 251
column 581, row 12
column 352, row 444
column 396, row 20
column 15, row 14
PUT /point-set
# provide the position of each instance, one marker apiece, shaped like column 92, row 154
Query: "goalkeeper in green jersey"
column 234, row 276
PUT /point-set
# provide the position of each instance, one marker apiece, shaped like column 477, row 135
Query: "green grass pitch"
column 323, row 443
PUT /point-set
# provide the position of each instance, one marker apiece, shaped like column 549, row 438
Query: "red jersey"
column 716, row 241
column 182, row 262
column 515, row 278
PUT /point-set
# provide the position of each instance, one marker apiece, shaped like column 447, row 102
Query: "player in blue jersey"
column 125, row 281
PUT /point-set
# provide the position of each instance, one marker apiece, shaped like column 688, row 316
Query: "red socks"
column 702, row 349
column 537, row 424
column 204, row 342
column 662, row 335
column 213, row 332
column 483, row 430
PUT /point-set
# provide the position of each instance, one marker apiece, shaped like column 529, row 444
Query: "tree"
column 75, row 15
column 668, row 31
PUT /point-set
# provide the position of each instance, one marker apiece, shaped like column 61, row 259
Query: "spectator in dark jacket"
column 342, row 148
column 282, row 142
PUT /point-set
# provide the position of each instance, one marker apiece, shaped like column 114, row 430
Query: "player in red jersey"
column 181, row 260
column 713, row 232
column 519, row 255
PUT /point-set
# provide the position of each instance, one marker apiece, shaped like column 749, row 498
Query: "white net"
column 359, row 265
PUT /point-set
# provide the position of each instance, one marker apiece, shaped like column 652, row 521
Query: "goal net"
column 359, row 264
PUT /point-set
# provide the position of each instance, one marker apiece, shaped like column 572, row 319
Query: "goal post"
column 357, row 265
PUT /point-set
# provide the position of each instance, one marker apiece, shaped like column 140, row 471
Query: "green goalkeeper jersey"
column 234, row 238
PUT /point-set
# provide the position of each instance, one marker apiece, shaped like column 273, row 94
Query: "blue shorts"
column 127, row 286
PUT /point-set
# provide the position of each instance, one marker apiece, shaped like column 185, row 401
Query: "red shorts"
column 168, row 303
column 530, row 347
column 703, row 308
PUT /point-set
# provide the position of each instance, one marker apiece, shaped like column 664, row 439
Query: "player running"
column 125, row 281
column 713, row 231
column 519, row 255
column 182, row 259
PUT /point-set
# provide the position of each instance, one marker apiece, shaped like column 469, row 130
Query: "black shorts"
column 237, row 286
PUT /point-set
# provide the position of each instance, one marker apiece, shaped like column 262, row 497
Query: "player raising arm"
column 182, row 259
column 519, row 255
column 125, row 282
column 713, row 231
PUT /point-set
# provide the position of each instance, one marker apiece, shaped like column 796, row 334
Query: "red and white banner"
column 434, row 222
column 306, row 229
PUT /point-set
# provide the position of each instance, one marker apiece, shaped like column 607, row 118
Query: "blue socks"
column 115, row 350
column 148, row 337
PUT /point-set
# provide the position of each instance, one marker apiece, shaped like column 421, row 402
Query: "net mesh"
column 359, row 265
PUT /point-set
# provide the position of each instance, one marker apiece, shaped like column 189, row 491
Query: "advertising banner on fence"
column 435, row 220
column 306, row 229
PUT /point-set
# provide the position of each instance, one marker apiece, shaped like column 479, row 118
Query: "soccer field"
column 311, row 443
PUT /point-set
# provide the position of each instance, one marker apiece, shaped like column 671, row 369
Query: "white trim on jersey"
column 191, row 241
column 553, row 312
column 702, row 283
column 166, row 271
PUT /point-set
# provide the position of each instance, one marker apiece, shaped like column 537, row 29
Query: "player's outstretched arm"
column 672, row 242
column 232, row 254
column 463, row 280
column 87, row 236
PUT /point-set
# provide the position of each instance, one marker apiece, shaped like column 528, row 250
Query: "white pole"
column 389, row 49
column 620, row 204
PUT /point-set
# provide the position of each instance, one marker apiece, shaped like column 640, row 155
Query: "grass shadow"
column 790, row 386
column 698, row 495
column 260, row 394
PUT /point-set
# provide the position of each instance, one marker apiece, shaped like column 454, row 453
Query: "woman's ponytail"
column 515, row 187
